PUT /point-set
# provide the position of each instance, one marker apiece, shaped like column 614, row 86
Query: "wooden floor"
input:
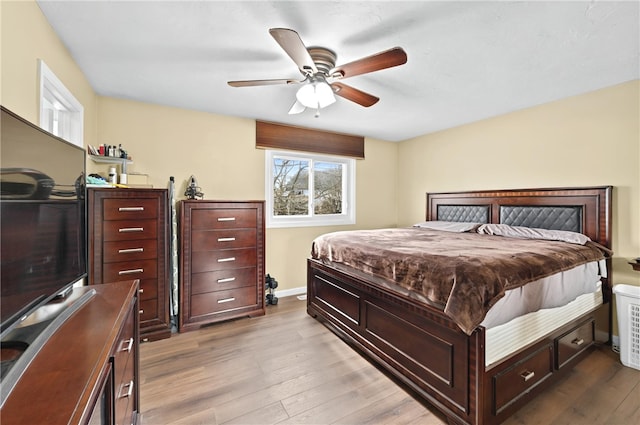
column 286, row 368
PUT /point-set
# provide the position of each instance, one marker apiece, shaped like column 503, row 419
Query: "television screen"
column 42, row 217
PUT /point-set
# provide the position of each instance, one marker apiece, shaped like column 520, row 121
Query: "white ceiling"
column 466, row 60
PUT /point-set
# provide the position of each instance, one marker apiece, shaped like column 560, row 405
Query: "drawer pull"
column 141, row 291
column 526, row 375
column 129, row 388
column 141, row 311
column 226, row 239
column 226, row 300
column 129, row 209
column 129, row 250
column 226, row 279
column 128, row 344
column 224, row 260
column 130, row 271
column 226, row 219
column 131, row 229
column 578, row 341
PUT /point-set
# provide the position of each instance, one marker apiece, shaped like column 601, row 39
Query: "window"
column 309, row 190
column 60, row 112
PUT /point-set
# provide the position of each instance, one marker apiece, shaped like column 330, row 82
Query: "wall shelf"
column 109, row 160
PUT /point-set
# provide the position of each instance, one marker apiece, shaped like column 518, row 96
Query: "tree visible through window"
column 309, row 189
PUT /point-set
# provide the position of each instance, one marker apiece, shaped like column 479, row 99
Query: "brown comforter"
column 464, row 274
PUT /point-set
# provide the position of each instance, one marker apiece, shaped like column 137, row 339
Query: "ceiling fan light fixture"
column 316, row 94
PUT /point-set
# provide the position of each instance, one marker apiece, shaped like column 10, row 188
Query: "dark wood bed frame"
column 425, row 350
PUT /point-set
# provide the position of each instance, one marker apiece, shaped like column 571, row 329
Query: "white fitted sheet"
column 505, row 339
column 553, row 291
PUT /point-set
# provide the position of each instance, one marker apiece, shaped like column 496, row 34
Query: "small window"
column 60, row 112
column 309, row 190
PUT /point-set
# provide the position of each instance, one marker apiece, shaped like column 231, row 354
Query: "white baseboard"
column 290, row 292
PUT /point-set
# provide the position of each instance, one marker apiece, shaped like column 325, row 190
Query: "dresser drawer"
column 142, row 249
column 220, row 301
column 142, row 269
column 204, row 261
column 124, row 395
column 124, row 367
column 223, row 280
column 207, row 240
column 521, row 377
column 148, row 310
column 148, row 289
column 130, row 230
column 574, row 342
column 223, row 218
column 129, row 209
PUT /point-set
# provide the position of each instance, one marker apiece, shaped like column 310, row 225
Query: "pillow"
column 533, row 233
column 448, row 226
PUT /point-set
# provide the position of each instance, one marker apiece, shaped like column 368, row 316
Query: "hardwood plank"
column 287, row 368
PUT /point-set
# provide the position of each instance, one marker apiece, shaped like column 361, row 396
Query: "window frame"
column 347, row 217
column 64, row 106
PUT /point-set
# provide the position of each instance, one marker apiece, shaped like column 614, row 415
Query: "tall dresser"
column 128, row 239
column 222, row 261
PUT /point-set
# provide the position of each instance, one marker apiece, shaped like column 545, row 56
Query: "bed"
column 474, row 372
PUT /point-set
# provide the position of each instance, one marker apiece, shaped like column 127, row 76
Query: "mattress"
column 549, row 292
column 503, row 340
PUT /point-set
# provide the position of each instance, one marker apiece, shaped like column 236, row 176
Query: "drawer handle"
column 526, row 375
column 226, row 219
column 224, row 260
column 131, row 229
column 141, row 311
column 129, row 387
column 129, row 250
column 226, row 279
column 226, row 300
column 141, row 291
column 130, row 271
column 128, row 209
column 128, row 343
column 578, row 341
column 226, row 239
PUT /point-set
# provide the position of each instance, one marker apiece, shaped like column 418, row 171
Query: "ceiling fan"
column 321, row 75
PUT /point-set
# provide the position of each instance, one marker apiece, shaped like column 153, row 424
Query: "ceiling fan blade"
column 354, row 95
column 297, row 108
column 250, row 83
column 387, row 59
column 291, row 42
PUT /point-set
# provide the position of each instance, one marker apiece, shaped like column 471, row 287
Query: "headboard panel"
column 554, row 218
column 586, row 209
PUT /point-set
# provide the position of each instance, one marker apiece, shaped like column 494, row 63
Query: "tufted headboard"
column 585, row 210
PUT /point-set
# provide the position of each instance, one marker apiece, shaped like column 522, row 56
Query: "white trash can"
column 628, row 307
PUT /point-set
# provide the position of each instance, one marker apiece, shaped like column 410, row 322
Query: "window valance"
column 279, row 136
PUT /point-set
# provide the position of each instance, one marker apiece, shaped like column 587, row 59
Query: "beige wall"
column 25, row 37
column 220, row 152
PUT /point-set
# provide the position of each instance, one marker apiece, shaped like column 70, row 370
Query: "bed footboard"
column 415, row 343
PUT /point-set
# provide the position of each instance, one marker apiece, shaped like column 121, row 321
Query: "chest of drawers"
column 128, row 239
column 222, row 261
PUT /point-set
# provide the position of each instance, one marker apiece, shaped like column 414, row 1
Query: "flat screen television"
column 43, row 250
